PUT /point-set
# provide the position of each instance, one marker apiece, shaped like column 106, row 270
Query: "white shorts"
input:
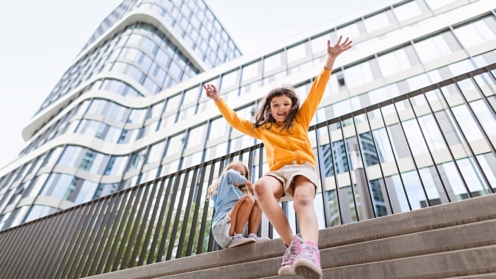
column 287, row 174
column 221, row 232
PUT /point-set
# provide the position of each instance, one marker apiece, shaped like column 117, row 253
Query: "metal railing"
column 169, row 218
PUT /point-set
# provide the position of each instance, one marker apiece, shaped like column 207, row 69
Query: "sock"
column 253, row 235
column 238, row 235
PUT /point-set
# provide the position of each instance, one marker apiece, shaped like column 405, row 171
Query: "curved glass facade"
column 128, row 125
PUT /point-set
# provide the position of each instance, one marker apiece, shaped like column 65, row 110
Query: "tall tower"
column 102, row 102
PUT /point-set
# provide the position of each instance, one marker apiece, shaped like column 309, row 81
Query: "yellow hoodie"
column 283, row 148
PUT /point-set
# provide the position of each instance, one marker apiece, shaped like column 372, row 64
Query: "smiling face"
column 280, row 107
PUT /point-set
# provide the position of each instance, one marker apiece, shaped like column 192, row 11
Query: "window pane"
column 250, row 71
column 296, row 52
column 272, row 62
column 407, row 11
column 376, row 22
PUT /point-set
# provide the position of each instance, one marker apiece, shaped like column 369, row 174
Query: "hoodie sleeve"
column 240, row 124
column 310, row 105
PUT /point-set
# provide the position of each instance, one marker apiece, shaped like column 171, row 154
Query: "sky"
column 40, row 40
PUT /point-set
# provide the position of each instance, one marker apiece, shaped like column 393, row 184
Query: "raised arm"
column 238, row 123
column 310, row 105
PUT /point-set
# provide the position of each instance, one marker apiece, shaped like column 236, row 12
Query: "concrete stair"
column 456, row 240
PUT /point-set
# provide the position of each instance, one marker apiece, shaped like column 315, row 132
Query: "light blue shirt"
column 227, row 195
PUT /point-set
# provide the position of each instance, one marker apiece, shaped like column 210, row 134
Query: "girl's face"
column 241, row 169
column 280, row 107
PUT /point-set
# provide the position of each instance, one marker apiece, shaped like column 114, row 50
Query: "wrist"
column 216, row 99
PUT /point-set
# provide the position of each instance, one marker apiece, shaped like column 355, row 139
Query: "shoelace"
column 290, row 254
column 309, row 251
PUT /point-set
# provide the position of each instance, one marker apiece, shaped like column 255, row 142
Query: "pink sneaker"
column 290, row 256
column 307, row 264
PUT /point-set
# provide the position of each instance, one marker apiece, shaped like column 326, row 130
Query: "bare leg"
column 240, row 213
column 304, row 194
column 268, row 190
column 255, row 218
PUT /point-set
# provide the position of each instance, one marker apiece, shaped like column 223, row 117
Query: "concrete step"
column 426, row 232
column 440, row 265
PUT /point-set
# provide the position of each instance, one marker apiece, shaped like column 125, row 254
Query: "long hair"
column 263, row 115
column 212, row 189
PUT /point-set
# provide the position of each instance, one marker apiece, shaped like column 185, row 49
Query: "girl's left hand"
column 338, row 48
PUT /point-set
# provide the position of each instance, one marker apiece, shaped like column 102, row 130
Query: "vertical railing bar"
column 80, row 232
column 380, row 164
column 334, row 172
column 178, row 216
column 102, row 233
column 445, row 141
column 411, row 152
column 83, row 213
column 203, row 224
column 211, row 241
column 349, row 168
column 192, row 189
column 102, row 254
column 53, row 243
column 395, row 159
column 250, row 168
column 189, row 249
column 10, row 250
column 136, row 216
column 169, row 216
column 163, row 208
column 147, row 239
column 127, row 201
column 118, row 260
column 322, row 180
column 364, row 166
column 88, row 238
column 15, row 266
column 464, row 137
column 486, row 137
column 41, row 245
column 9, row 239
column 483, row 95
column 150, row 184
column 270, row 233
column 67, row 227
column 481, row 128
column 429, row 151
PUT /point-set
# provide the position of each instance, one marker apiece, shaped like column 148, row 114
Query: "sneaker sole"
column 286, row 271
column 307, row 269
column 249, row 241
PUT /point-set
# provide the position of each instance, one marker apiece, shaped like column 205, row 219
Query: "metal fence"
column 431, row 146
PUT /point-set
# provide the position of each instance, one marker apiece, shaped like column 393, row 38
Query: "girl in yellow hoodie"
column 282, row 125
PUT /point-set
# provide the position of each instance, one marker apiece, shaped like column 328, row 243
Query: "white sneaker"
column 258, row 239
column 239, row 240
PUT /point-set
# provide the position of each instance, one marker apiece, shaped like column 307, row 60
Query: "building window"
column 394, row 62
column 407, row 11
column 116, row 165
column 250, row 71
column 376, row 22
column 156, row 152
column 196, row 136
column 432, row 48
column 296, row 52
column 434, row 4
column 477, row 32
column 175, row 145
column 272, row 62
column 358, row 75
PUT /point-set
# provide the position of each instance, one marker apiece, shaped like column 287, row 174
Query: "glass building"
column 131, row 108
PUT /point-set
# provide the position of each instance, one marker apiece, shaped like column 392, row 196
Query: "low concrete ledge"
column 442, row 216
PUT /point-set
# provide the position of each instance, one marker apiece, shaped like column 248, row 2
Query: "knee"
column 248, row 199
column 303, row 201
column 260, row 190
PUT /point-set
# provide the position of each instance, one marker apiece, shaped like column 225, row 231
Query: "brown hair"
column 212, row 189
column 263, row 115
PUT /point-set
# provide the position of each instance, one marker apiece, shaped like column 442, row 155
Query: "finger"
column 205, row 87
column 339, row 41
column 346, row 41
column 328, row 43
column 347, row 44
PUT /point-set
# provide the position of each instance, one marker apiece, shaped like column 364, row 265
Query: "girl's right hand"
column 249, row 186
column 211, row 92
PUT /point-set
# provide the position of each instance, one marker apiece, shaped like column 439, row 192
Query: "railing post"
column 366, row 206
